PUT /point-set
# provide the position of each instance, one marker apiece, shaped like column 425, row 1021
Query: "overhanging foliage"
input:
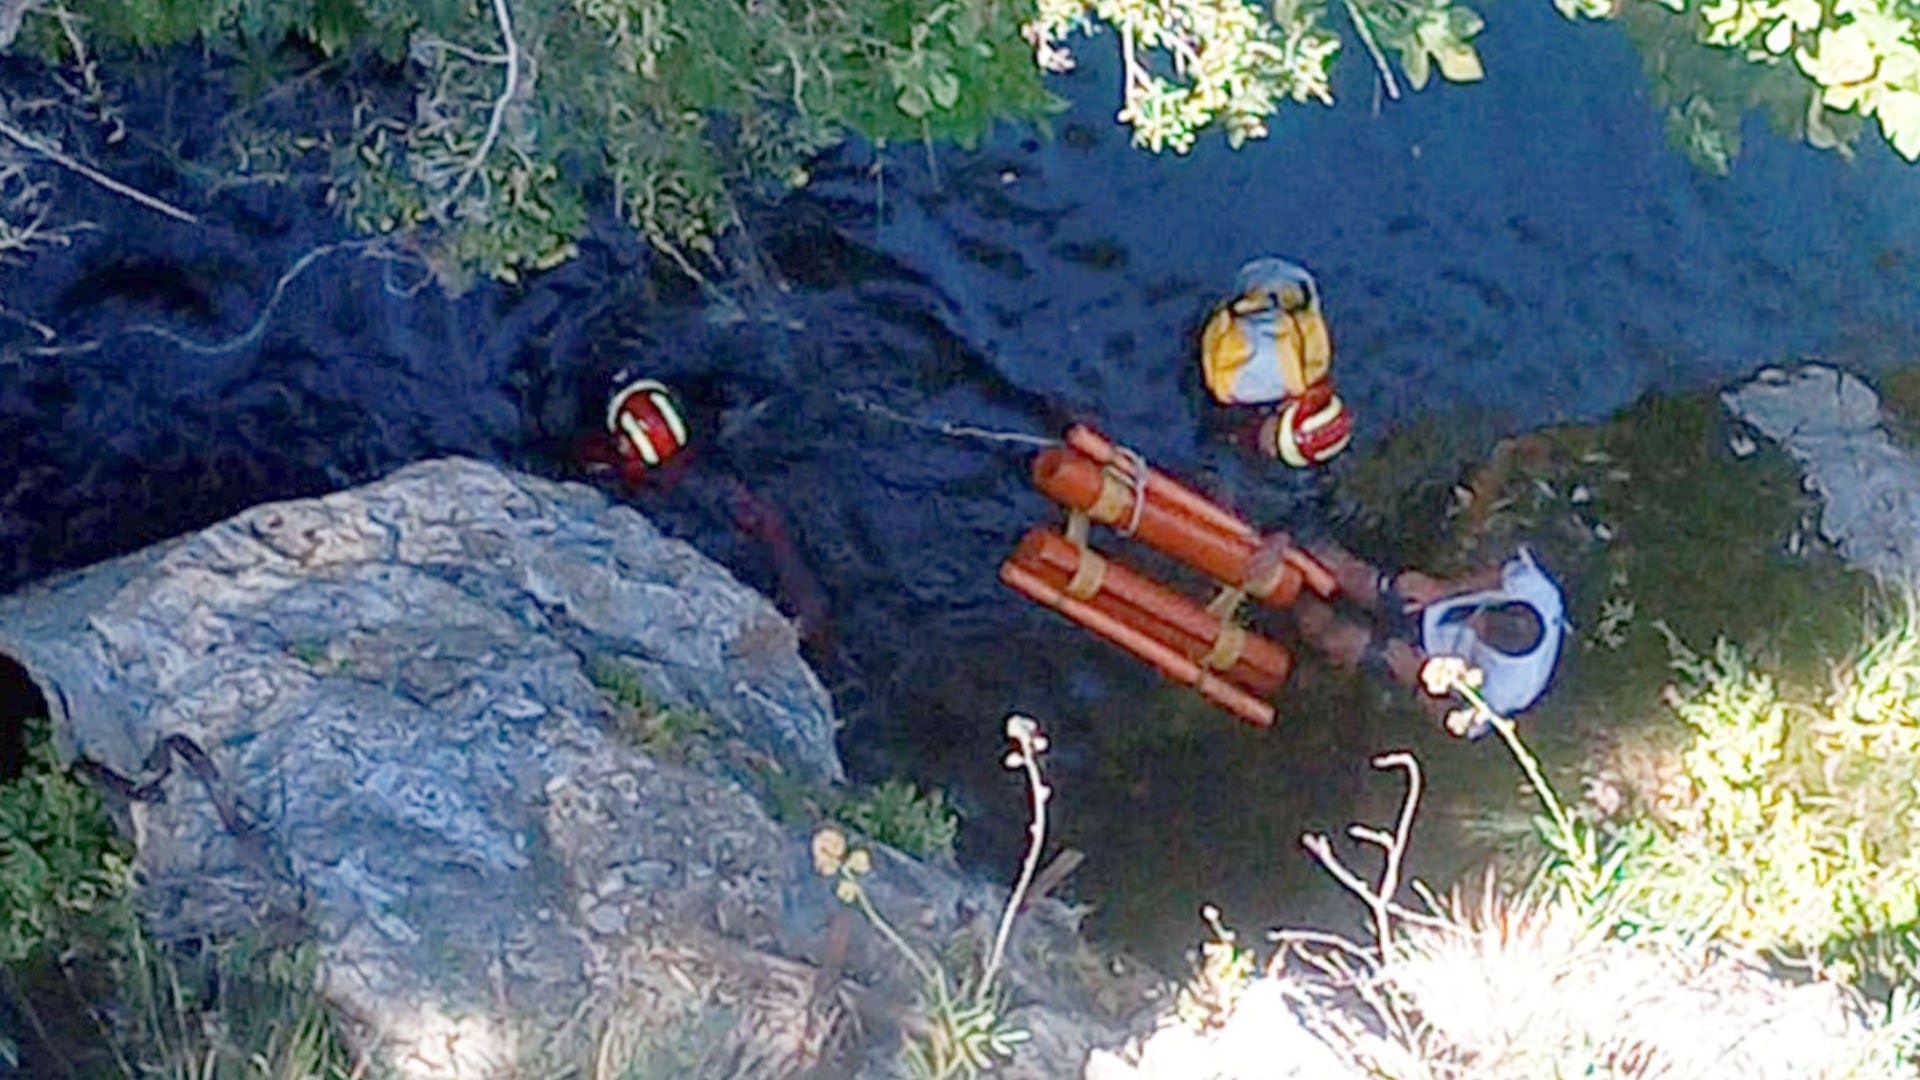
column 480, row 131
column 486, row 128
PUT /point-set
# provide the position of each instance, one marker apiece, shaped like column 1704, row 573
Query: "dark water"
column 1528, row 248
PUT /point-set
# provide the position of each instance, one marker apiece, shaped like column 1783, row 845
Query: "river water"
column 1527, row 249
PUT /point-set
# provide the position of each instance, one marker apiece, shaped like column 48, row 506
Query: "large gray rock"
column 1830, row 422
column 409, row 760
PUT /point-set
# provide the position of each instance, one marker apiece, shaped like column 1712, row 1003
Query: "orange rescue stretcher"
column 1202, row 646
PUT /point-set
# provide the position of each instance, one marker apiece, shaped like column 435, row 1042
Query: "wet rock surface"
column 1831, row 422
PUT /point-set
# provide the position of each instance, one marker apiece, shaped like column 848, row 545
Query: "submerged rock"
column 1830, row 421
column 391, row 741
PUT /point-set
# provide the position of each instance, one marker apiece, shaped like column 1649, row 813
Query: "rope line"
column 1131, row 468
column 944, row 427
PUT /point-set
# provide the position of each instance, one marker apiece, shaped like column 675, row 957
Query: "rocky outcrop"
column 405, row 756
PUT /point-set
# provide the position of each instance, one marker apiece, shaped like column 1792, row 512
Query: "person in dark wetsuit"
column 650, row 446
column 1508, row 622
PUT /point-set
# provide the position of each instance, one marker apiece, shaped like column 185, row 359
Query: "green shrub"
column 1705, row 90
column 894, row 812
column 1800, row 831
column 1188, row 63
column 645, row 721
column 233, row 1009
column 1592, row 970
column 963, row 1028
column 60, row 859
column 897, row 814
column 1628, row 514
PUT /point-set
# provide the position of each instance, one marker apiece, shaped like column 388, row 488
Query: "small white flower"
column 1461, row 721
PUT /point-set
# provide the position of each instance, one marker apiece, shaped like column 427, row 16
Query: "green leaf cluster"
column 942, row 73
column 60, row 858
column 1817, row 68
column 893, row 812
column 896, row 813
column 482, row 132
column 648, row 723
column 967, row 1034
column 1865, row 57
column 1220, row 979
column 1188, row 63
column 1801, row 833
column 1428, row 34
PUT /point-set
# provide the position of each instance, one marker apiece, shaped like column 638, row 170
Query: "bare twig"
column 20, row 195
column 504, row 18
column 474, row 55
column 253, row 332
column 1396, row 845
column 1378, row 899
column 1317, row 844
column 373, row 248
column 944, row 427
column 47, row 351
column 46, row 332
column 1379, row 61
column 1407, row 914
column 928, row 974
column 11, row 13
column 95, row 94
column 1030, row 745
column 30, row 143
column 1063, row 864
column 392, row 256
column 1290, row 940
column 1136, row 76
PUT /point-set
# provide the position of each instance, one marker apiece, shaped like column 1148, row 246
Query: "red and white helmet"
column 646, row 423
column 1308, row 430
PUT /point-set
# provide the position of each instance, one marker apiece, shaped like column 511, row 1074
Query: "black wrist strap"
column 1374, row 659
column 1390, row 607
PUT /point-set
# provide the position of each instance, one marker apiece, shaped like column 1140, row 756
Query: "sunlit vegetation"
column 1756, row 920
column 100, row 996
